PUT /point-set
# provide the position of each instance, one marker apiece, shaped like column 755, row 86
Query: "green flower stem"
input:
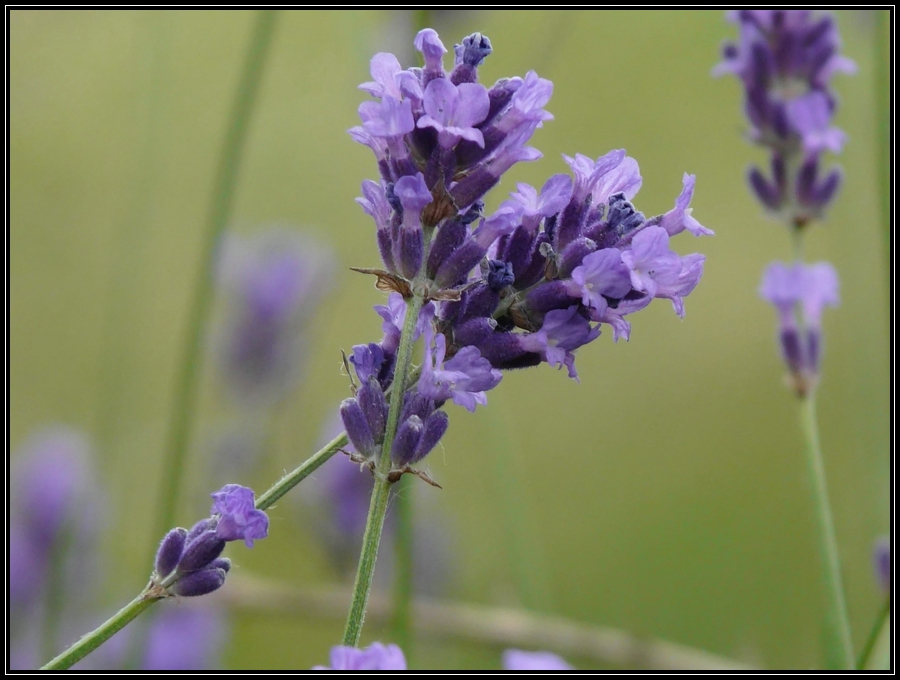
column 292, row 479
column 223, row 195
column 839, row 652
column 884, row 617
column 381, row 492
column 95, row 638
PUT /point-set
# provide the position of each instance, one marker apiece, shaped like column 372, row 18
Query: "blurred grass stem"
column 223, row 197
column 866, row 656
column 839, row 651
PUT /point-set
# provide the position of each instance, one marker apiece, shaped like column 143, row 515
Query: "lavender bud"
column 500, row 275
column 573, row 254
column 204, row 525
column 767, row 194
column 411, row 250
column 791, row 349
column 200, row 552
column 374, row 406
column 406, row 441
column 435, row 426
column 170, row 550
column 357, row 427
column 450, row 235
column 222, row 563
column 456, row 267
column 199, row 582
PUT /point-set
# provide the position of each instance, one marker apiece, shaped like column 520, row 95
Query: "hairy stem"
column 223, row 195
column 839, row 652
column 88, row 643
column 293, row 478
column 381, row 492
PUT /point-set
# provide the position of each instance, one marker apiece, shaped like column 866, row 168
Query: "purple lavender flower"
column 270, row 283
column 188, row 562
column 518, row 660
column 185, row 638
column 530, row 283
column 785, row 60
column 563, row 332
column 375, row 657
column 454, row 111
column 238, row 516
column 882, row 561
column 800, row 293
column 464, row 378
column 394, row 316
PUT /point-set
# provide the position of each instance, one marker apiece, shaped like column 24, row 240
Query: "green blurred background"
column 665, row 494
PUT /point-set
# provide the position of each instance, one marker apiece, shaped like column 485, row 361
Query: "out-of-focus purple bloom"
column 785, row 60
column 270, row 283
column 518, row 660
column 51, row 493
column 238, row 517
column 800, row 293
column 184, row 638
column 882, row 561
column 375, row 657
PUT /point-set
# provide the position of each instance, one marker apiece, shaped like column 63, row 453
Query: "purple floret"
column 239, row 517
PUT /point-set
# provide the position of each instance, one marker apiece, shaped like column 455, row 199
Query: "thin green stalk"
column 884, row 616
column 223, row 196
column 95, row 638
column 292, row 479
column 381, row 492
column 839, row 651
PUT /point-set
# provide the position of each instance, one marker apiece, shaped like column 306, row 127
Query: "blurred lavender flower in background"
column 184, row 637
column 271, row 282
column 882, row 562
column 800, row 293
column 375, row 657
column 785, row 60
column 54, row 527
column 518, row 660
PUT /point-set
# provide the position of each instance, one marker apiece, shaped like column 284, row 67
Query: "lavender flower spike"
column 785, row 60
column 375, row 657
